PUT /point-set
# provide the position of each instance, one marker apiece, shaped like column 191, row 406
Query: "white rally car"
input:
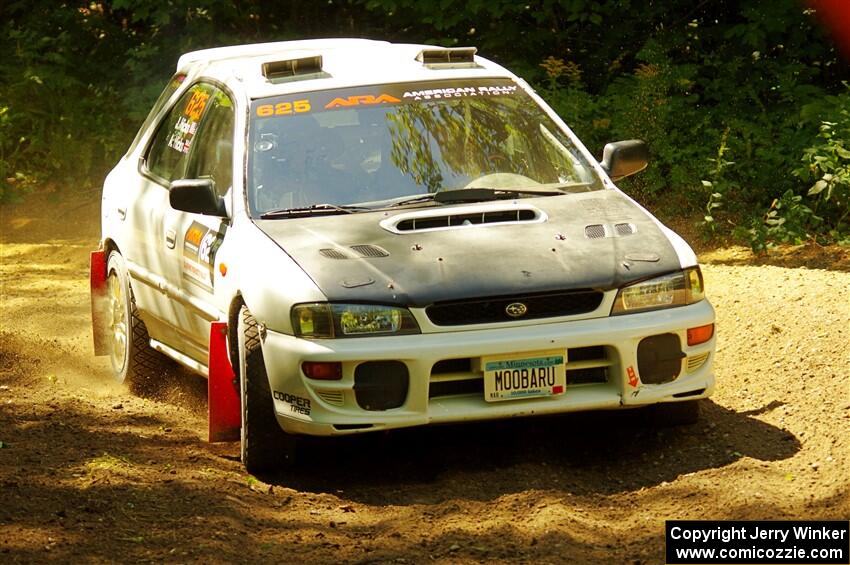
column 349, row 236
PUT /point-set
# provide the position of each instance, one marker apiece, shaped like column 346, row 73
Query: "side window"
column 212, row 152
column 163, row 99
column 168, row 154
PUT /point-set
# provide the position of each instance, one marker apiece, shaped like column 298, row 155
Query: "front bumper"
column 314, row 407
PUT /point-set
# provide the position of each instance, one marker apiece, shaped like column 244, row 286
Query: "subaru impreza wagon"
column 348, row 236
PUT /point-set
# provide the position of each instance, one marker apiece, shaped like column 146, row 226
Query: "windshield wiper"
column 327, row 209
column 478, row 195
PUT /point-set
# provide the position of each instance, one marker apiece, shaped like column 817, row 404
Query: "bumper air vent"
column 381, row 385
column 659, row 358
column 331, row 396
column 459, row 218
column 697, row 361
column 491, row 310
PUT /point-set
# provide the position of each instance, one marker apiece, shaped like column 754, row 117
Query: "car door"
column 196, row 237
column 133, row 203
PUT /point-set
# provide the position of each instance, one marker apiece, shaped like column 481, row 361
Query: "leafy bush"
column 727, row 95
column 826, row 164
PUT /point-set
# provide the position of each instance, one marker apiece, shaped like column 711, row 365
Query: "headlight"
column 675, row 289
column 324, row 320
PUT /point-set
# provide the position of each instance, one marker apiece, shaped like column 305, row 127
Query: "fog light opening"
column 322, row 370
column 700, row 334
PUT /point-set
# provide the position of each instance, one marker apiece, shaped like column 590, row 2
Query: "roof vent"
column 294, row 69
column 448, row 57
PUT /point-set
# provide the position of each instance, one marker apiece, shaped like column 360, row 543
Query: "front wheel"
column 265, row 446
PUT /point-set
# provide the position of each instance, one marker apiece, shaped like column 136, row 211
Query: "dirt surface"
column 91, row 473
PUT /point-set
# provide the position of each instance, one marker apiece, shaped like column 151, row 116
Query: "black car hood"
column 417, row 268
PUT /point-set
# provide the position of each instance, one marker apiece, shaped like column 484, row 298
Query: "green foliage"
column 728, row 95
column 788, row 220
column 826, row 166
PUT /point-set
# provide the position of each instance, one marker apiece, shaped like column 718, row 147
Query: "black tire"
column 265, row 446
column 137, row 364
column 676, row 413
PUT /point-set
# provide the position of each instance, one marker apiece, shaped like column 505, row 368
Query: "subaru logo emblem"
column 516, row 309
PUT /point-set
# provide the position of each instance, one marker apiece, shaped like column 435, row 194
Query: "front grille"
column 587, row 376
column 591, row 365
column 490, row 310
column 456, row 388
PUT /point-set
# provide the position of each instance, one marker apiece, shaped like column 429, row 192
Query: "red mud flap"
column 224, row 413
column 97, row 281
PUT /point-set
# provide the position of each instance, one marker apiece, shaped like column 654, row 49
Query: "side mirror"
column 623, row 158
column 196, row 196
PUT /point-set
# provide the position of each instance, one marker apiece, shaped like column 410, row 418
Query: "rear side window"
column 168, row 155
column 164, row 97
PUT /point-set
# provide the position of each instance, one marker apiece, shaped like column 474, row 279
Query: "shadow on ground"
column 591, row 453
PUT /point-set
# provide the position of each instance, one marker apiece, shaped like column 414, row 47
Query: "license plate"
column 510, row 377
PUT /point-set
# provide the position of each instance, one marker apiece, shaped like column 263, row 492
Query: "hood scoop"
column 462, row 218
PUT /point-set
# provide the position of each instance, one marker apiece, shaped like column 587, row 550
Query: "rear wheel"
column 265, row 446
column 134, row 361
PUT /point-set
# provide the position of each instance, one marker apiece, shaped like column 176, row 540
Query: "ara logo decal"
column 367, row 100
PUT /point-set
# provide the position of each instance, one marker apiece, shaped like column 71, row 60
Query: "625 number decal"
column 283, row 108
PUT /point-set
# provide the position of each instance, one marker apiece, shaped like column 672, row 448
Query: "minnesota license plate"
column 510, row 377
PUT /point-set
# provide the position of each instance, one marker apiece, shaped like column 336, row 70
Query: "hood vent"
column 333, row 254
column 460, row 218
column 594, row 231
column 370, row 251
column 598, row 231
column 624, row 229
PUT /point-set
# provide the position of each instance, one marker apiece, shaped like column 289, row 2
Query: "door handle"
column 170, row 239
column 122, row 213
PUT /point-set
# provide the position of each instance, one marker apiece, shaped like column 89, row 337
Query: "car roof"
column 345, row 62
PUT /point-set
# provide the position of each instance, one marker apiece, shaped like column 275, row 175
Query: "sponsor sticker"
column 200, row 245
column 297, row 404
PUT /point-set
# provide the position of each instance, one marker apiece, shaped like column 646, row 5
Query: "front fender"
column 268, row 280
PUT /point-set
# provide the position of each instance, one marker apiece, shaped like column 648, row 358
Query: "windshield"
column 373, row 144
